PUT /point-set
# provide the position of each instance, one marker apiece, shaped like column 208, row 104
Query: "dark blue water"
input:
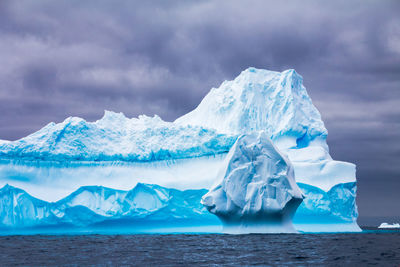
column 362, row 249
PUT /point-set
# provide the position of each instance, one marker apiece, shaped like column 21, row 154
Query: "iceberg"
column 389, row 226
column 187, row 154
column 257, row 192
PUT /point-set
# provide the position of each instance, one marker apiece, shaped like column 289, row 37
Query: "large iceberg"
column 118, row 152
column 257, row 191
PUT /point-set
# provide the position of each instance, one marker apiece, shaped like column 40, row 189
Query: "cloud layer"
column 74, row 58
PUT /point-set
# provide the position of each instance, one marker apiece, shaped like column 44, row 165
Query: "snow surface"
column 257, row 191
column 117, row 138
column 259, row 100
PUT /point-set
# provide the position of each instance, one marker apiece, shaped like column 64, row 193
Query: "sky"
column 77, row 58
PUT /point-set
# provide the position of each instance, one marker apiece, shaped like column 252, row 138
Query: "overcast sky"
column 77, row 58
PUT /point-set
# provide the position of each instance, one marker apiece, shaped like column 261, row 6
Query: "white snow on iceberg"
column 260, row 100
column 117, row 138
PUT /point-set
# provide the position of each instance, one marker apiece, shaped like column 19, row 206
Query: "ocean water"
column 380, row 248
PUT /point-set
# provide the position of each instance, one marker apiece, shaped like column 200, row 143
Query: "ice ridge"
column 91, row 205
column 117, row 138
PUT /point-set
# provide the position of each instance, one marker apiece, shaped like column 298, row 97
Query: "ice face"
column 338, row 204
column 18, row 208
column 96, row 205
column 257, row 191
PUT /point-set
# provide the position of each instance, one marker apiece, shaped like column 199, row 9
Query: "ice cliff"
column 97, row 206
column 118, row 152
column 257, row 191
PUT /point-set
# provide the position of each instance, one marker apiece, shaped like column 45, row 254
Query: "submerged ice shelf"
column 119, row 152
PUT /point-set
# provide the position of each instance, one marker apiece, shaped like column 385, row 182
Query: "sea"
column 372, row 247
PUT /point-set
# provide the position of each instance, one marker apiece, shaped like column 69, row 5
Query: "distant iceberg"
column 389, row 226
column 118, row 152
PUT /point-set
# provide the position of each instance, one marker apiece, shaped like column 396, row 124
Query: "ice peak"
column 143, row 187
column 111, row 115
column 253, row 71
column 294, row 79
column 73, row 121
column 253, row 75
column 147, row 119
column 6, row 187
column 260, row 100
column 91, row 188
column 290, row 72
column 9, row 189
